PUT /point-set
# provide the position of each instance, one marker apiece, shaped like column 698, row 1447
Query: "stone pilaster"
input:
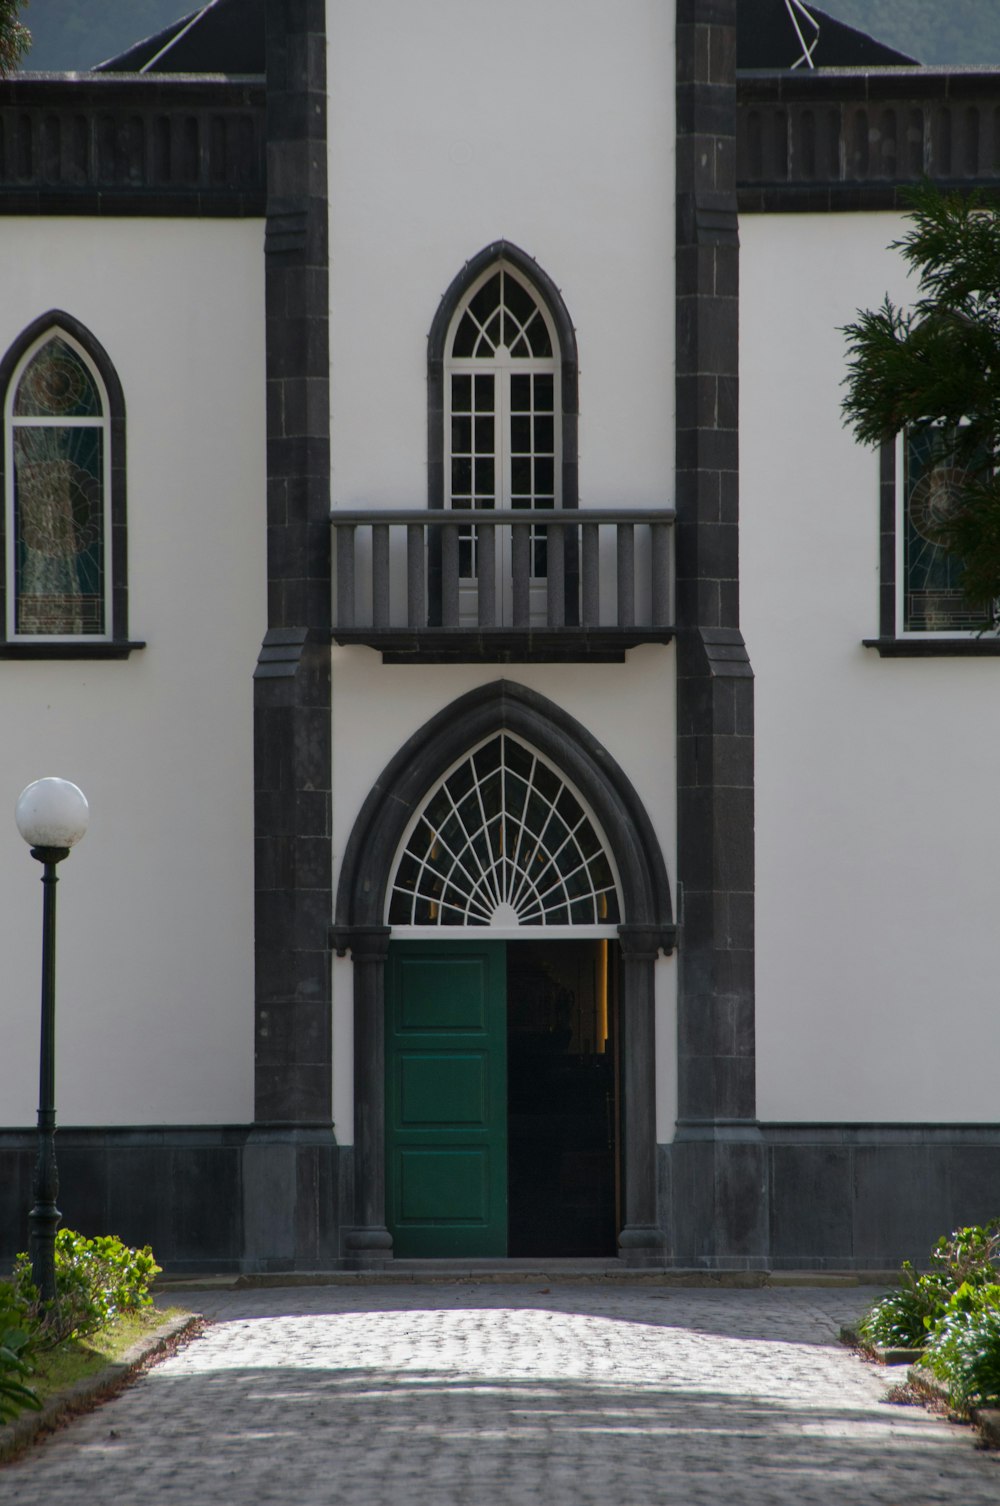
column 718, row 1212
column 292, row 734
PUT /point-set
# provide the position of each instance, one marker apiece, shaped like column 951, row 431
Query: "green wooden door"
column 446, row 1098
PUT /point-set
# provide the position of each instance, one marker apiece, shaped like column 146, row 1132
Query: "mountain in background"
column 963, row 31
column 71, row 35
column 76, row 34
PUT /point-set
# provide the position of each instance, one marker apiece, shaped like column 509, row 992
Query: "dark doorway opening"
column 563, row 1098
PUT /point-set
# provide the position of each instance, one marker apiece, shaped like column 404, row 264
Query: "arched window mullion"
column 521, row 898
column 468, row 844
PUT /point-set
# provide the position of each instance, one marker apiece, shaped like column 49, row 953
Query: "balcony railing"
column 554, row 584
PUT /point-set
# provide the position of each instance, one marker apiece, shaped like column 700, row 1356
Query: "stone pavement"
column 465, row 1393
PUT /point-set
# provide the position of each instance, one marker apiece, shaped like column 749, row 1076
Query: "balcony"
column 442, row 586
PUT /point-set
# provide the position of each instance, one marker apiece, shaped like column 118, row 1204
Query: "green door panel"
column 446, row 1098
column 443, row 1184
column 442, row 993
column 435, row 1088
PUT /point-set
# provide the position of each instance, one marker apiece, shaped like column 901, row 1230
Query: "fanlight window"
column 504, row 840
column 57, row 525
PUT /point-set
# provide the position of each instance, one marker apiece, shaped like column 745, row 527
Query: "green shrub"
column 968, row 1256
column 16, row 1347
column 900, row 1319
column 963, row 1349
column 904, row 1318
column 96, row 1279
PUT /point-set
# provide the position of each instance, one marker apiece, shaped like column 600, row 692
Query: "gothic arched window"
column 503, row 401
column 502, row 409
column 63, row 464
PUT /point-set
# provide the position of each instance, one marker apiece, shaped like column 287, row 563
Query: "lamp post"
column 52, row 816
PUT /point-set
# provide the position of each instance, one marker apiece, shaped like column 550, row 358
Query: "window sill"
column 935, row 648
column 65, row 650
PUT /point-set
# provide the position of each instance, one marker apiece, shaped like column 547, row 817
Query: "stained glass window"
column 933, row 600
column 504, row 840
column 56, row 522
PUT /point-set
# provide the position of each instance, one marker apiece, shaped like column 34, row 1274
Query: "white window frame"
column 503, row 366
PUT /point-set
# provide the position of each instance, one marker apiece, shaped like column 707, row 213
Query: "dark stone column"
column 369, row 1242
column 718, row 1213
column 292, row 735
column 641, row 1239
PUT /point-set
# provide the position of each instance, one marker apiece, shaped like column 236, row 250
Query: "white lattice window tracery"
column 504, row 840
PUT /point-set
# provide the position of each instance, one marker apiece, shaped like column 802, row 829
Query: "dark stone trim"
column 231, row 1197
column 116, row 587
column 840, row 1197
column 716, row 1193
column 857, row 139
column 641, row 1239
column 867, row 1196
column 570, row 645
column 368, row 1243
column 292, row 692
column 935, row 648
column 66, row 650
column 848, row 198
column 408, row 776
column 258, row 1198
column 133, row 203
column 128, row 145
column 280, row 654
column 887, row 540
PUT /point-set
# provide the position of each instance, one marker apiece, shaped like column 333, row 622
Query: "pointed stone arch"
column 503, row 705
column 359, row 927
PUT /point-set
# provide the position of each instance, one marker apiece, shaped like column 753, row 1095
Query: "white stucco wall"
column 155, row 964
column 452, row 126
column 877, row 817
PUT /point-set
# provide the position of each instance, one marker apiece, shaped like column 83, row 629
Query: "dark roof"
column 766, row 38
column 225, row 36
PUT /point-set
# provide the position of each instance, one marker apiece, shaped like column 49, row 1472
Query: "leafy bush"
column 16, row 1347
column 964, row 1346
column 968, row 1256
column 904, row 1318
column 900, row 1319
column 96, row 1279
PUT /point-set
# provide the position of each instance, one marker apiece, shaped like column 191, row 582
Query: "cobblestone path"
column 505, row 1395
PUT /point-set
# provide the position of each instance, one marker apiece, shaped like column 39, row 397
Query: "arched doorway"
column 501, row 827
column 502, row 1082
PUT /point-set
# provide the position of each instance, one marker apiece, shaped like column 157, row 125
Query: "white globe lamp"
column 52, row 813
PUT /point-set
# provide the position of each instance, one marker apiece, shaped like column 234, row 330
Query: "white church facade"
column 540, row 772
